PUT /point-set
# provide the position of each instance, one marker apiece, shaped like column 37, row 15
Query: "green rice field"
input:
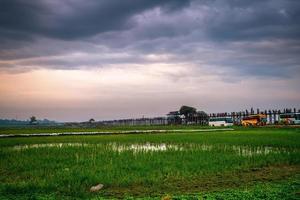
column 62, row 129
column 246, row 163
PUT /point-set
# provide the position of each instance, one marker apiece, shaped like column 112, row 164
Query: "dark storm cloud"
column 73, row 19
column 248, row 21
column 76, row 19
column 257, row 38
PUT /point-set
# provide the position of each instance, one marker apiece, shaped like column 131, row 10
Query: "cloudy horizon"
column 72, row 60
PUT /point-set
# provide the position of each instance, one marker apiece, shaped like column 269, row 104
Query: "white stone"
column 96, row 188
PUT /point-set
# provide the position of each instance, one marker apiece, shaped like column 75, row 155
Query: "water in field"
column 59, row 145
column 161, row 147
column 148, row 147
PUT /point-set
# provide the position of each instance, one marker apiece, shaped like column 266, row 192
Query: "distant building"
column 174, row 117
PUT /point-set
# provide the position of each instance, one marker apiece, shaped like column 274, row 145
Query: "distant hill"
column 14, row 122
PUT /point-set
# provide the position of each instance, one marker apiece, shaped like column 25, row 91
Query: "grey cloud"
column 265, row 19
column 222, row 20
column 226, row 34
column 74, row 19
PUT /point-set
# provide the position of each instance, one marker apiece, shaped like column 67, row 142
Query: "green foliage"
column 206, row 160
column 187, row 111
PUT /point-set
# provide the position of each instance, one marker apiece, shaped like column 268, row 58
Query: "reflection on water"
column 250, row 151
column 153, row 147
column 146, row 147
column 59, row 145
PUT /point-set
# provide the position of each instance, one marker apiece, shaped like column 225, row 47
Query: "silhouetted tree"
column 187, row 111
column 33, row 120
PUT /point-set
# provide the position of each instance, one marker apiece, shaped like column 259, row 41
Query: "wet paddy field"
column 252, row 163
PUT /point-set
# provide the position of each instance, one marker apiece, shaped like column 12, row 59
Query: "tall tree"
column 188, row 112
column 33, row 120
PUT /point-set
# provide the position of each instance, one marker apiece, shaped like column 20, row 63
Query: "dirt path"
column 113, row 132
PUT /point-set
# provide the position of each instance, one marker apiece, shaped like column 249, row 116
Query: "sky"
column 72, row 60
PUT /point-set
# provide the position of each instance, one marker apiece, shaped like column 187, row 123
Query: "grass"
column 287, row 189
column 61, row 129
column 203, row 162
